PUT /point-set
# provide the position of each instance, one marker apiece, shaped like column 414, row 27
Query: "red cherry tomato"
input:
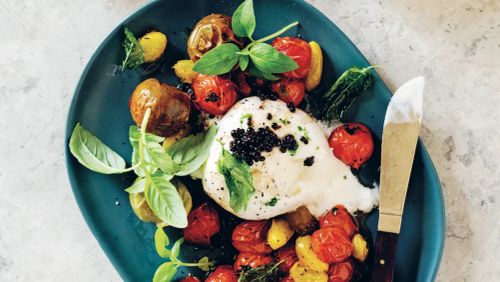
column 289, row 90
column 331, row 244
column 243, row 86
column 250, row 237
column 297, row 49
column 352, row 143
column 339, row 217
column 190, row 279
column 251, row 260
column 287, row 279
column 214, row 94
column 203, row 223
column 223, row 273
column 287, row 256
column 341, row 272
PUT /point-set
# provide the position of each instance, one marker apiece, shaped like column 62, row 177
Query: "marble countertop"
column 45, row 45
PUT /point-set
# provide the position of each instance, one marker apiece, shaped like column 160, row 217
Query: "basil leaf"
column 262, row 75
column 243, row 60
column 270, row 60
column 134, row 137
column 176, row 248
column 164, row 200
column 134, row 53
column 93, row 154
column 160, row 158
column 161, row 243
column 165, row 272
column 238, row 180
column 243, row 20
column 336, row 101
column 137, row 186
column 204, row 263
column 219, row 60
column 189, row 153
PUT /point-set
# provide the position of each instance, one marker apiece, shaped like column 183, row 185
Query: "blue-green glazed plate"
column 100, row 103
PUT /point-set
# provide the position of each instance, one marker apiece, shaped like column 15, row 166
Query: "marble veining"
column 46, row 44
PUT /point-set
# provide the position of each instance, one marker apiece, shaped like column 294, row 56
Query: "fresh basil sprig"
column 189, row 153
column 259, row 56
column 238, row 180
column 134, row 53
column 167, row 270
column 335, row 102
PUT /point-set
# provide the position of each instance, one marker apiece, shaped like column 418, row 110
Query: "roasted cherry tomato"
column 251, row 260
column 214, row 94
column 223, row 273
column 190, row 279
column 287, row 256
column 297, row 49
column 250, row 237
column 352, row 143
column 287, row 279
column 289, row 90
column 331, row 244
column 243, row 86
column 203, row 223
column 341, row 272
column 339, row 217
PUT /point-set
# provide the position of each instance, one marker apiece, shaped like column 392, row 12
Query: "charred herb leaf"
column 335, row 102
column 134, row 54
column 265, row 273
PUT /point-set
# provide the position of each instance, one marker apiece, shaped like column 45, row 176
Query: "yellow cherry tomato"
column 184, row 71
column 279, row 233
column 154, row 44
column 141, row 208
column 314, row 76
column 300, row 273
column 360, row 247
column 307, row 256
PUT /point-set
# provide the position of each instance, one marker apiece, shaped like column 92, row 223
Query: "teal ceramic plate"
column 100, row 103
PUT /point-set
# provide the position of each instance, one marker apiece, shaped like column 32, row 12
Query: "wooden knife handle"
column 385, row 256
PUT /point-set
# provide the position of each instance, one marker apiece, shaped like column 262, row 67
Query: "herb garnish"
column 167, row 270
column 271, row 202
column 334, row 103
column 265, row 273
column 260, row 58
column 238, row 180
column 134, row 53
column 244, row 117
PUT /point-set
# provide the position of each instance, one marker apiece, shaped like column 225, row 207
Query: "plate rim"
column 440, row 239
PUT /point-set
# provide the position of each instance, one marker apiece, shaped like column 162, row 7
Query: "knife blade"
column 399, row 139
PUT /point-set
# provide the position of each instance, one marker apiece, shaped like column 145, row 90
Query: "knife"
column 399, row 139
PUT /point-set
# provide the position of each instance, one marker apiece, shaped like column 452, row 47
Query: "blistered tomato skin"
column 297, row 49
column 203, row 223
column 243, row 86
column 339, row 217
column 250, row 237
column 289, row 90
column 331, row 244
column 190, row 279
column 223, row 273
column 287, row 256
column 352, row 143
column 341, row 272
column 214, row 94
column 251, row 260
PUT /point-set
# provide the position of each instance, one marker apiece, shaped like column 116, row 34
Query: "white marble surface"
column 45, row 45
